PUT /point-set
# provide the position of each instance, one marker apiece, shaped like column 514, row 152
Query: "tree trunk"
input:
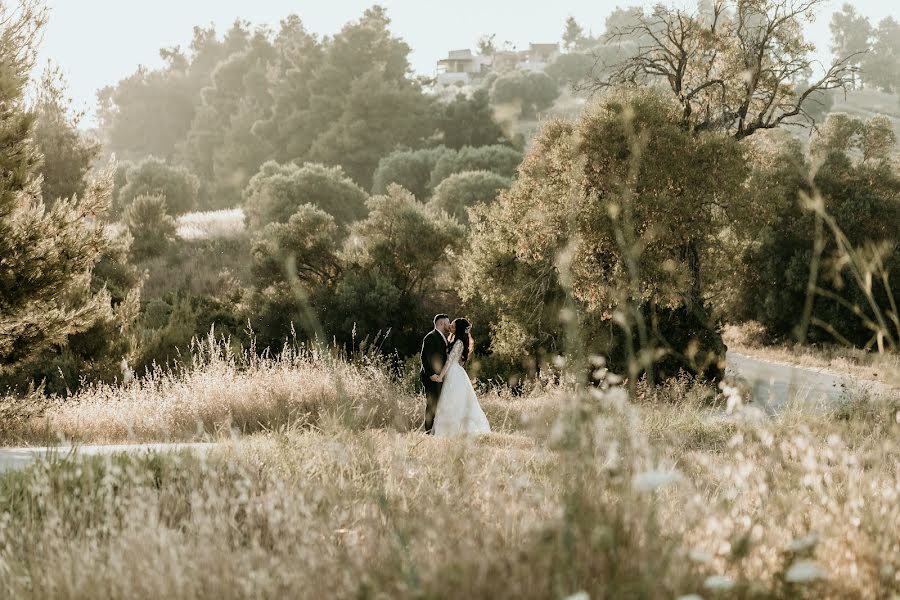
column 696, row 307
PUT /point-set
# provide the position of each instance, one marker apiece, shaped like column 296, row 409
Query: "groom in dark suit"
column 434, row 357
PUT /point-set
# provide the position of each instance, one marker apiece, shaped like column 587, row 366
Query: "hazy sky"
column 98, row 42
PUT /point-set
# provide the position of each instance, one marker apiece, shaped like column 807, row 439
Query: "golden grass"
column 212, row 224
column 333, row 496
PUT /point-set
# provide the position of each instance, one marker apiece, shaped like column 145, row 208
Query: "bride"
column 458, row 411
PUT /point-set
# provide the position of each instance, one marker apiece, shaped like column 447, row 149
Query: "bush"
column 120, row 180
column 152, row 228
column 861, row 190
column 309, row 237
column 154, row 177
column 278, row 191
column 569, row 69
column 408, row 168
column 534, row 92
column 462, row 190
column 186, row 318
column 469, row 121
column 501, row 160
column 559, row 227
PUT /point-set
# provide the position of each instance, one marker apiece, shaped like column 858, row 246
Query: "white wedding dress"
column 458, row 411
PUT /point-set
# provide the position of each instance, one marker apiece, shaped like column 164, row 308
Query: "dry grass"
column 217, row 224
column 335, row 497
column 219, row 395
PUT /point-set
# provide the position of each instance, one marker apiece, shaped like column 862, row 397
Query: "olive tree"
column 620, row 210
column 277, row 191
column 731, row 65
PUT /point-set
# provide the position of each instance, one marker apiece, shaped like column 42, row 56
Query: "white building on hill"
column 462, row 71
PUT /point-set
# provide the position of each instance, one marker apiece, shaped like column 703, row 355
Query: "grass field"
column 321, row 489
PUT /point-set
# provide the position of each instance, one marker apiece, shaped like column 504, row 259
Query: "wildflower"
column 127, row 373
column 733, row 397
column 719, row 583
column 804, row 571
column 649, row 481
column 598, row 361
column 805, row 543
column 699, row 556
column 579, row 596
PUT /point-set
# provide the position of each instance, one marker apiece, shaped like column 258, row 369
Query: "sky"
column 99, row 42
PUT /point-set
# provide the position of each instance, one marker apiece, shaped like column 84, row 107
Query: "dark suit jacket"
column 433, row 355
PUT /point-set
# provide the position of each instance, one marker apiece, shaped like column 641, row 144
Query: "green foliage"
column 850, row 33
column 95, row 353
column 67, row 153
column 616, row 206
column 408, row 168
column 501, row 160
column 881, row 65
column 573, row 36
column 861, row 190
column 731, row 66
column 571, row 69
column 386, row 277
column 148, row 112
column 220, row 146
column 230, row 105
column 309, row 238
column 461, row 191
column 469, row 122
column 151, row 227
column 278, row 191
column 169, row 328
column 48, row 253
column 843, row 136
column 532, row 92
column 392, row 268
column 154, row 177
column 378, row 115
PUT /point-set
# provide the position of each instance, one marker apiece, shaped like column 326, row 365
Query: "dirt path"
column 16, row 458
column 774, row 383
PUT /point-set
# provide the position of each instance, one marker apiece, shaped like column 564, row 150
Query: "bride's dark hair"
column 462, row 331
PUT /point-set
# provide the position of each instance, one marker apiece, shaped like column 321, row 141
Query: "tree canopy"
column 48, row 252
column 461, row 191
column 619, row 195
column 732, row 66
column 278, row 191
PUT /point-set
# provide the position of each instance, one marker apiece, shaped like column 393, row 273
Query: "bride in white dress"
column 458, row 411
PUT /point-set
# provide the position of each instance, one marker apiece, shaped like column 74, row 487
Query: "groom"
column 434, row 356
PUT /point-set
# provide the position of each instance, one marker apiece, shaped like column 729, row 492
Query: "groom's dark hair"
column 440, row 317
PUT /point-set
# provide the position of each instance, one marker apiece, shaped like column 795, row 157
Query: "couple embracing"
column 451, row 406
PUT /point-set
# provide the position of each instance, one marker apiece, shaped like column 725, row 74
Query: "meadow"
column 321, row 487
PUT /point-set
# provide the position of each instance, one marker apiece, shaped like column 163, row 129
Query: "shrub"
column 460, row 191
column 309, row 237
column 120, row 180
column 562, row 229
column 278, row 191
column 153, row 176
column 152, row 228
column 861, row 190
column 501, row 160
column 570, row 69
column 408, row 168
column 533, row 92
column 469, row 121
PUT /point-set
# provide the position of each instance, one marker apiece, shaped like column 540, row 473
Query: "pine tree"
column 46, row 254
